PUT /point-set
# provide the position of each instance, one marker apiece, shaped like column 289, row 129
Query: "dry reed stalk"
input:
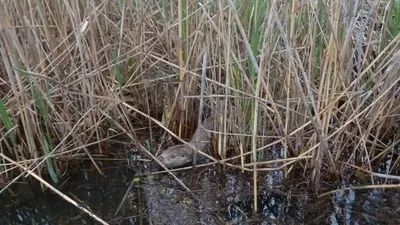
column 317, row 79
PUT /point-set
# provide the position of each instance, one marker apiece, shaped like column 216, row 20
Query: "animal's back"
column 201, row 136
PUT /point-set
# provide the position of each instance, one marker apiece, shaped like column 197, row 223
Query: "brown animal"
column 182, row 154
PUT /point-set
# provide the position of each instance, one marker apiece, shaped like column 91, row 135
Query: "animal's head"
column 176, row 156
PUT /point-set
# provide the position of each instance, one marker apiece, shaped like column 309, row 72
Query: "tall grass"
column 318, row 79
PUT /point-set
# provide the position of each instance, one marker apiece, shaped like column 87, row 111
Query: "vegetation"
column 317, row 78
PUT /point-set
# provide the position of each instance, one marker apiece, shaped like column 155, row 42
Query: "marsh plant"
column 317, row 78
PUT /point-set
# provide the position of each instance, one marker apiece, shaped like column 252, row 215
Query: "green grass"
column 6, row 121
column 393, row 19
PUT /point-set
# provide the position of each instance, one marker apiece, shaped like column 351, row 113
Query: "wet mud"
column 217, row 196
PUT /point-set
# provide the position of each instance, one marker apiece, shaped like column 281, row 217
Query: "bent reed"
column 318, row 79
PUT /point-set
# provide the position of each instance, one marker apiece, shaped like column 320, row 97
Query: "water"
column 101, row 194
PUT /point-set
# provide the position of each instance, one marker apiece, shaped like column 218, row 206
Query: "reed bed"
column 319, row 79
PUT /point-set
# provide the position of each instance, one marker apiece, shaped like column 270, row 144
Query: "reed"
column 318, row 79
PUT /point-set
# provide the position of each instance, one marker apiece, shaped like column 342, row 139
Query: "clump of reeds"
column 318, row 78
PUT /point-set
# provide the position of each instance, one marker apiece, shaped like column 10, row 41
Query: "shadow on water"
column 216, row 198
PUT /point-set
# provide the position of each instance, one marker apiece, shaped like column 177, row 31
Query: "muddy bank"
column 217, row 197
column 227, row 199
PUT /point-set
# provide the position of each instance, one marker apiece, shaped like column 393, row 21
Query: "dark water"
column 101, row 194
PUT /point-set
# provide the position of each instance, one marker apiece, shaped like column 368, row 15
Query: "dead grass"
column 321, row 80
